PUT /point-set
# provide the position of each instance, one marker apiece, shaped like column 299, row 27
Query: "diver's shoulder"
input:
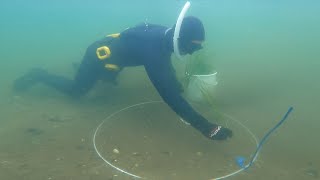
column 144, row 27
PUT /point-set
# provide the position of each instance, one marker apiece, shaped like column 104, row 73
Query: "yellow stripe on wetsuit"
column 104, row 52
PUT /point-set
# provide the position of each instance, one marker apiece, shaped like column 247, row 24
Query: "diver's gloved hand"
column 216, row 132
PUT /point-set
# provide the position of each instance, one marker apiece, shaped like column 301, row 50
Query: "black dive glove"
column 216, row 132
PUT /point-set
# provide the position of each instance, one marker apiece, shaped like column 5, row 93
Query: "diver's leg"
column 29, row 79
column 79, row 86
column 87, row 75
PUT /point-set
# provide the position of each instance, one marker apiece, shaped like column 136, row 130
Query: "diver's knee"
column 34, row 76
column 77, row 92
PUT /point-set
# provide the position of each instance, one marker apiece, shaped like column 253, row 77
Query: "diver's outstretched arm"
column 165, row 82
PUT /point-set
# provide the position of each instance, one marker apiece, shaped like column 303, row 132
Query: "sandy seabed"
column 50, row 137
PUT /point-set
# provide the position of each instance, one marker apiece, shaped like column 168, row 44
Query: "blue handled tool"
column 241, row 160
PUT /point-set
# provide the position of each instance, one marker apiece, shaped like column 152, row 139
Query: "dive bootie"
column 28, row 80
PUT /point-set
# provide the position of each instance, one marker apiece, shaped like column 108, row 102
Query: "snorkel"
column 177, row 30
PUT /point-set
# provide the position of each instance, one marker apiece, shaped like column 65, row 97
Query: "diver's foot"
column 26, row 81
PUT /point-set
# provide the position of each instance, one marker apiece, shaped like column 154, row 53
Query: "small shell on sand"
column 116, row 151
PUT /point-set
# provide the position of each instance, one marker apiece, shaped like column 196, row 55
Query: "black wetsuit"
column 147, row 45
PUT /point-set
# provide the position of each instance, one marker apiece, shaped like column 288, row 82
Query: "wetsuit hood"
column 191, row 30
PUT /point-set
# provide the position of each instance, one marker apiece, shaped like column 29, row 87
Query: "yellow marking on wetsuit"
column 103, row 52
column 112, row 67
column 116, row 35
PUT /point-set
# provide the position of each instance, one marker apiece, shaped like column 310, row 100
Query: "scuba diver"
column 148, row 45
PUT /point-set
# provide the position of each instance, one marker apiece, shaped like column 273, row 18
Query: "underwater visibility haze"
column 267, row 57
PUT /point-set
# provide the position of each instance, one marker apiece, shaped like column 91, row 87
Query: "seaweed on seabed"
column 34, row 131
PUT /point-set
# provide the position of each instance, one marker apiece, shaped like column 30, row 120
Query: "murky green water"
column 267, row 56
